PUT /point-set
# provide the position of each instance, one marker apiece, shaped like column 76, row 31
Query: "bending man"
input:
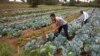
column 60, row 24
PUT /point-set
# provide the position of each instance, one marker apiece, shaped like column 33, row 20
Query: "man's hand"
column 56, row 30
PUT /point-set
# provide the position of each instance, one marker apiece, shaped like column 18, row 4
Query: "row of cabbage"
column 87, row 37
column 21, row 11
column 34, row 14
column 15, row 29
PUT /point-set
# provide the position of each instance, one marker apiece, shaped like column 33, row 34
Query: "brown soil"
column 12, row 42
column 29, row 33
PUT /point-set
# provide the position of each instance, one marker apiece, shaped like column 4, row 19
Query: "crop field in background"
column 19, row 24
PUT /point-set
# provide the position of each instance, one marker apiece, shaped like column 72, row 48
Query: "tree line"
column 34, row 3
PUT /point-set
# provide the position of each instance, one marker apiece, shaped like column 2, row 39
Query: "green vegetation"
column 13, row 5
column 7, row 50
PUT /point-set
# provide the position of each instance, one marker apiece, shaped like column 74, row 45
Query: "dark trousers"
column 65, row 27
column 84, row 22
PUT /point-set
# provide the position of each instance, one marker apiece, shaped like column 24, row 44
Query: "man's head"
column 81, row 11
column 53, row 16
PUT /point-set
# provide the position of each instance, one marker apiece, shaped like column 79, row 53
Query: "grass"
column 13, row 5
column 7, row 50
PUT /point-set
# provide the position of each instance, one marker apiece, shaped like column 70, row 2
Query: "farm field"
column 29, row 31
column 18, row 26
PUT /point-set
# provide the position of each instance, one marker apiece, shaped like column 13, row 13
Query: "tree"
column 65, row 0
column 23, row 1
column 78, row 1
column 97, row 1
column 51, row 2
column 34, row 3
column 4, row 1
column 72, row 2
column 14, row 0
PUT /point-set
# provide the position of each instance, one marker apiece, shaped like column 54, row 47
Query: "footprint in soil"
column 84, row 54
column 58, row 52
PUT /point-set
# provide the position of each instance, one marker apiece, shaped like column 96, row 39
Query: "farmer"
column 86, row 17
column 60, row 24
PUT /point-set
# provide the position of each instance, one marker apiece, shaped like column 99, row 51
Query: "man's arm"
column 57, row 25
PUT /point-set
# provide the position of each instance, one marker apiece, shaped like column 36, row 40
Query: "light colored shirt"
column 61, row 21
column 86, row 15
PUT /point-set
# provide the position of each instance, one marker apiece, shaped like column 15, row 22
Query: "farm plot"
column 25, row 16
column 38, row 44
column 21, row 11
column 14, row 29
column 86, row 41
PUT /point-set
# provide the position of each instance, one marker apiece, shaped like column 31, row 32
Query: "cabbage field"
column 86, row 41
column 16, row 24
